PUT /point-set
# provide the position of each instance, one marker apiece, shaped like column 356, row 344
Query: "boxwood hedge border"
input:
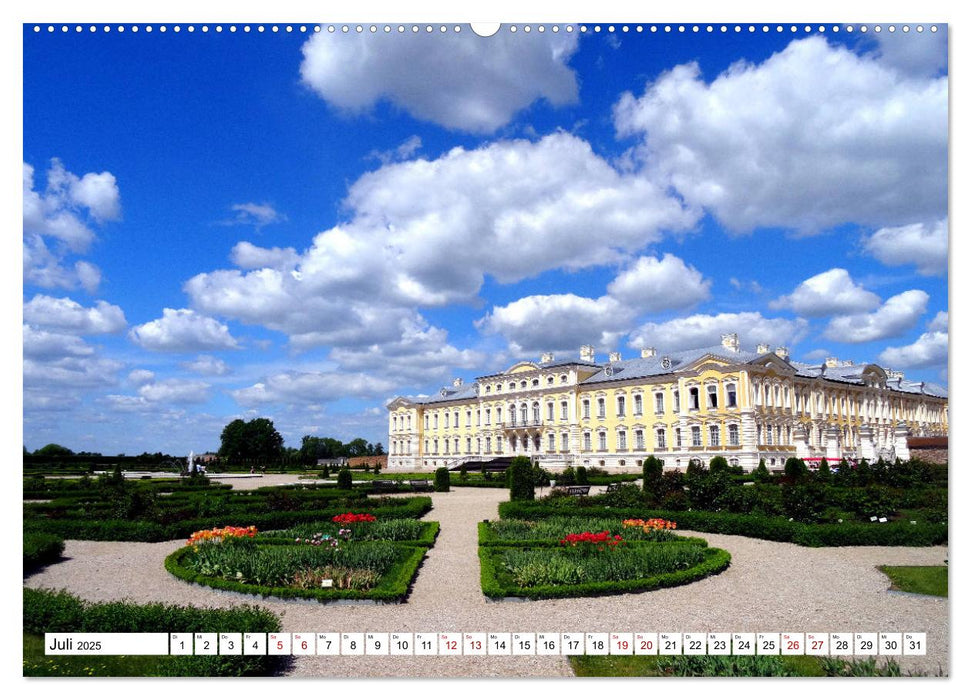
column 716, row 561
column 393, row 587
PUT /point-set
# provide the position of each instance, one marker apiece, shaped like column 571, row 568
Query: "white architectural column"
column 867, row 450
column 832, row 444
column 900, row 448
column 799, row 440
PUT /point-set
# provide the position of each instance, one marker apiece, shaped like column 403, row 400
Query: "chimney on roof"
column 546, row 358
column 457, row 382
column 783, row 352
column 730, row 341
column 832, row 362
column 586, row 353
column 615, row 357
column 648, row 352
column 763, row 348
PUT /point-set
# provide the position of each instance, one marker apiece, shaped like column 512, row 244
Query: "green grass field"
column 927, row 580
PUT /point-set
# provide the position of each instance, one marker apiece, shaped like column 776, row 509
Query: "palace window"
column 468, row 419
column 659, row 403
column 524, row 413
column 446, row 420
column 713, row 397
column 638, row 404
column 456, row 419
column 677, row 437
column 468, row 445
column 436, row 446
column 549, row 380
column 488, row 416
column 586, row 408
column 695, row 436
column 488, row 444
column 677, row 402
column 586, row 441
column 565, row 442
column 564, row 410
column 426, row 446
column 768, row 435
column 661, row 443
column 426, row 421
column 622, row 440
column 456, row 445
column 498, row 415
column 536, row 382
column 551, row 442
column 446, row 445
column 639, row 439
column 621, row 406
column 436, row 421
column 563, row 379
column 536, row 412
column 549, row 410
column 512, row 386
column 601, row 408
column 478, row 445
column 602, row 441
column 714, row 435
column 694, row 402
column 733, row 434
column 732, row 396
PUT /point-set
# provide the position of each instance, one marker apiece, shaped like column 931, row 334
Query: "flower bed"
column 380, row 571
column 401, row 530
column 549, row 531
column 560, row 572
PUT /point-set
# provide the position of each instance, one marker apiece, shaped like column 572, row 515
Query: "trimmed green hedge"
column 899, row 533
column 392, row 588
column 40, row 519
column 41, row 549
column 50, row 611
column 496, row 585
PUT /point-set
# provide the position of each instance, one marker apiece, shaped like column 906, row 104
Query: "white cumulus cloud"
column 897, row 315
column 828, row 293
column 703, row 330
column 175, row 391
column 207, row 365
column 923, row 245
column 67, row 315
column 476, row 84
column 813, row 137
column 311, row 387
column 183, row 330
column 929, row 350
column 656, row 285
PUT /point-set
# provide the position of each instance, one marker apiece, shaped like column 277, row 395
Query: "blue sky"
column 302, row 226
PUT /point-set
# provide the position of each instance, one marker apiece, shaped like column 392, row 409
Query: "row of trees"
column 259, row 439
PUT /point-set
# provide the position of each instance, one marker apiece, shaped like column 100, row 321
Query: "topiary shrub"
column 377, row 468
column 442, row 480
column 823, row 473
column 541, row 477
column 761, row 474
column 463, row 474
column 521, row 483
column 325, row 472
column 344, row 479
column 795, row 469
column 652, row 473
column 567, row 477
column 581, row 474
column 718, row 464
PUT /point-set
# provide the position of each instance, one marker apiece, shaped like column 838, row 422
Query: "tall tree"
column 53, row 450
column 256, row 439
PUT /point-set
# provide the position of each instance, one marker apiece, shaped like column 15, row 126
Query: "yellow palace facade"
column 680, row 406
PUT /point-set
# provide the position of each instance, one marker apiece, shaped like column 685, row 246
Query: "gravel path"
column 770, row 586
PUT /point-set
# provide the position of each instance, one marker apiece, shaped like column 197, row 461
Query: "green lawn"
column 927, row 580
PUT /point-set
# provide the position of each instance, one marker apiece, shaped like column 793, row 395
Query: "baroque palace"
column 680, row 406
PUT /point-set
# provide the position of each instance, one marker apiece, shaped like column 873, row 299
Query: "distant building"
column 679, row 406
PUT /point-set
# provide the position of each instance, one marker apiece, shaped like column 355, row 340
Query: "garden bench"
column 381, row 486
column 577, row 490
column 612, row 487
column 421, row 485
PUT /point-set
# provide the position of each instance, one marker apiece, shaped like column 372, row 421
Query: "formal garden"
column 339, row 536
